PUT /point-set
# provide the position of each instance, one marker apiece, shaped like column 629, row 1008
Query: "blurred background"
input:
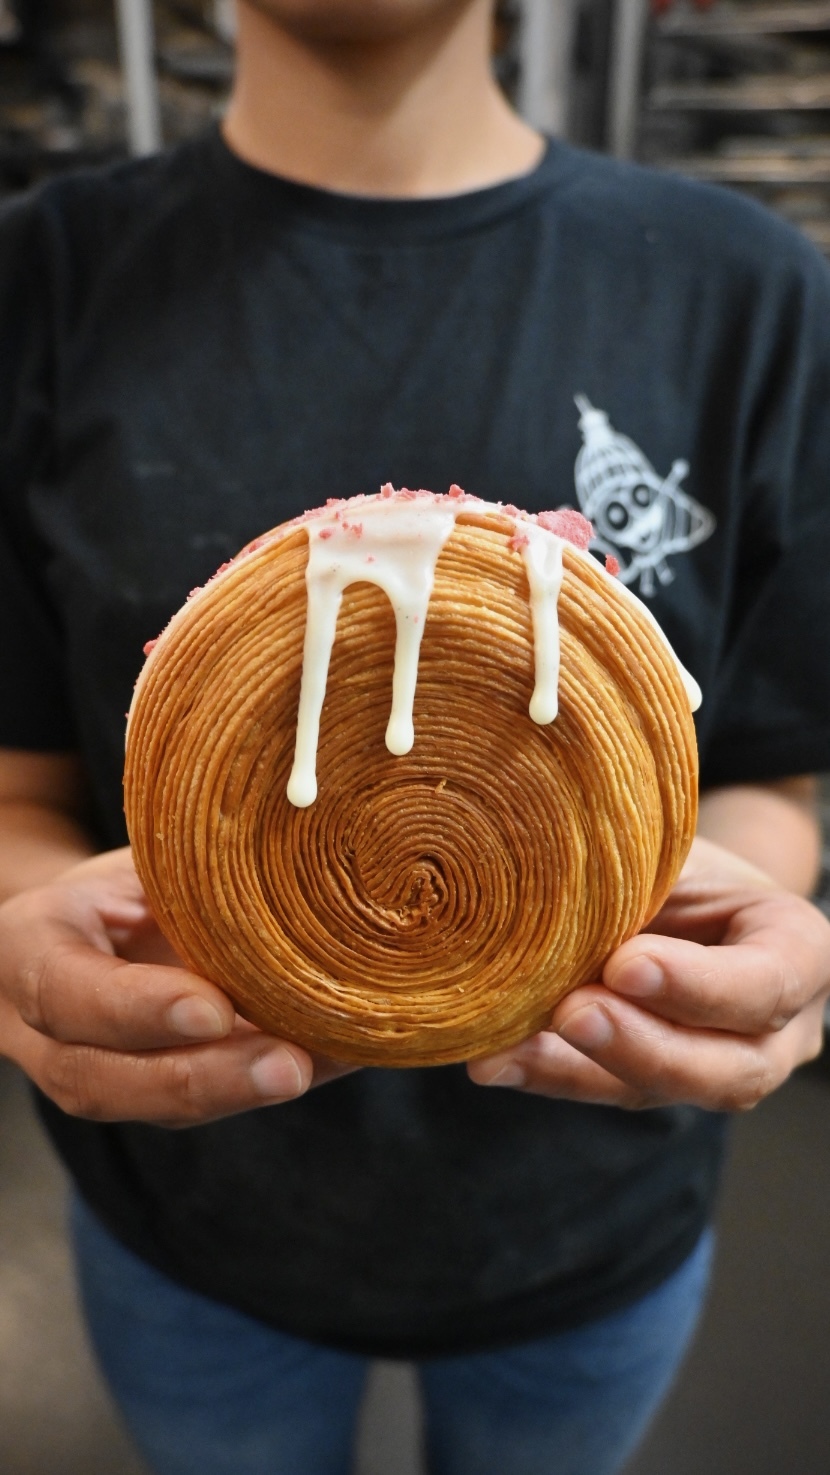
column 734, row 91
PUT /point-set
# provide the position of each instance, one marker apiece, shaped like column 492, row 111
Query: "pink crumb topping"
column 221, row 569
column 151, row 645
column 568, row 524
column 564, row 523
column 612, row 564
column 253, row 546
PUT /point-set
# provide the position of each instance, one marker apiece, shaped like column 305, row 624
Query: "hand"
column 98, row 1011
column 714, row 1006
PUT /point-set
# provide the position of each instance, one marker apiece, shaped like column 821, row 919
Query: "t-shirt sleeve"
column 34, row 707
column 769, row 715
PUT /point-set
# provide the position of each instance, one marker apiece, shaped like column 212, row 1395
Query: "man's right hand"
column 98, row 1011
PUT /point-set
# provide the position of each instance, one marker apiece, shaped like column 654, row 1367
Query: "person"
column 374, row 270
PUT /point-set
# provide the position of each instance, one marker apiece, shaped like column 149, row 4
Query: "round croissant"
column 430, row 907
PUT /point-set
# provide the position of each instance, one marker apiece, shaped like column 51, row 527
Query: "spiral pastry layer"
column 430, row 907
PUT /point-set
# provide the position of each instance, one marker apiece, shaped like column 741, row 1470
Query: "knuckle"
column 41, row 981
column 72, row 1082
column 745, row 1095
column 182, row 1089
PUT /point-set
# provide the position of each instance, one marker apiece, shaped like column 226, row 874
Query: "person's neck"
column 411, row 117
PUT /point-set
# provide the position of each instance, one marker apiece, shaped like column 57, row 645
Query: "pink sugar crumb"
column 518, row 542
column 612, row 564
column 456, row 491
column 568, row 524
column 387, row 490
column 325, row 532
column 335, row 501
column 151, row 645
column 512, row 511
column 221, row 569
column 194, row 592
column 407, row 495
column 370, row 558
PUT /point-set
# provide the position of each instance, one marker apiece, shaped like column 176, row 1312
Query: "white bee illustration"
column 639, row 517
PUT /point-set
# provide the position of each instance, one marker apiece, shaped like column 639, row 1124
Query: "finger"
column 653, row 1064
column 663, row 1061
column 179, row 1087
column 74, row 993
column 111, row 879
column 770, row 966
column 546, row 1065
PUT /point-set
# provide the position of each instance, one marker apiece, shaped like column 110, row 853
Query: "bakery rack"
column 87, row 81
column 737, row 94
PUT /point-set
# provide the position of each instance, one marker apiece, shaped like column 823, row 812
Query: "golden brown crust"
column 424, row 909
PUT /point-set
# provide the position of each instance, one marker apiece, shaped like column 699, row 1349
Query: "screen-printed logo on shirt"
column 639, row 517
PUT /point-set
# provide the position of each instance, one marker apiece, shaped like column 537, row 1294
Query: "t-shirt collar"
column 387, row 221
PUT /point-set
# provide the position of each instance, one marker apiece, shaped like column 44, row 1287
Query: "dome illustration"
column 639, row 516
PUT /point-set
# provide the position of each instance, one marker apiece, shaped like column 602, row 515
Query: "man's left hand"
column 714, row 1006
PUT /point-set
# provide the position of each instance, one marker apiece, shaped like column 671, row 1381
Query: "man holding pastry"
column 375, row 271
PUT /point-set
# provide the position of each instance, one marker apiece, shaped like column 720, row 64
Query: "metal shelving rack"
column 87, row 81
column 737, row 94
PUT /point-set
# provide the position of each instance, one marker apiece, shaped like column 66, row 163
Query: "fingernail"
column 588, row 1029
column 196, row 1019
column 641, row 978
column 277, row 1074
column 509, row 1075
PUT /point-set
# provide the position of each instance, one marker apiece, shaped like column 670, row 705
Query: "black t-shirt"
column 193, row 351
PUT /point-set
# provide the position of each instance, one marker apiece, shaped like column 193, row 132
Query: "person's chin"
column 355, row 20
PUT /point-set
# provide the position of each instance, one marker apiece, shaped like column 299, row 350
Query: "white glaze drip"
column 394, row 544
column 542, row 555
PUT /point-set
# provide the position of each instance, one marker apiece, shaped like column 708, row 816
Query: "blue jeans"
column 206, row 1390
